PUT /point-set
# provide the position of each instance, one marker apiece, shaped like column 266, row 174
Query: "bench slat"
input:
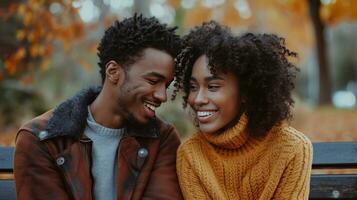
column 326, row 155
column 335, row 155
column 7, row 190
column 339, row 186
column 6, row 159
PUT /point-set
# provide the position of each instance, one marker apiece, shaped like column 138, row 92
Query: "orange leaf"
column 28, row 17
column 34, row 50
column 47, row 50
column 10, row 66
column 20, row 34
column 174, row 3
column 45, row 64
column 31, row 36
column 21, row 9
column 26, row 80
column 20, row 53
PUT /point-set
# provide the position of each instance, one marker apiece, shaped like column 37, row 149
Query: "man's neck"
column 104, row 112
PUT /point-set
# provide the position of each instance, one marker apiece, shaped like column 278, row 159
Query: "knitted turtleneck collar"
column 231, row 138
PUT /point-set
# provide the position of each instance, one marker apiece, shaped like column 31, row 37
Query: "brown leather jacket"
column 53, row 157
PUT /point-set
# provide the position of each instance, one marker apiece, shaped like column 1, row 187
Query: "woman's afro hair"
column 260, row 63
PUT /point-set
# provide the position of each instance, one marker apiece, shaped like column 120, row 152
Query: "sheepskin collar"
column 70, row 118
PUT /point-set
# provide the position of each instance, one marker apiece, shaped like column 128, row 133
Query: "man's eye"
column 152, row 82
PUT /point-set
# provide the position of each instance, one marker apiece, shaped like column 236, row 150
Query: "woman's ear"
column 114, row 72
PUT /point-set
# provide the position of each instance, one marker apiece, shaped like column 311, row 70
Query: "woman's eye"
column 213, row 87
column 193, row 87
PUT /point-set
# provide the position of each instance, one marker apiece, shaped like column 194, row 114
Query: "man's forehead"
column 155, row 74
column 153, row 63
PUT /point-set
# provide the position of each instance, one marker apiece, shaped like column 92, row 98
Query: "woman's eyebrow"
column 208, row 79
column 193, row 79
column 214, row 77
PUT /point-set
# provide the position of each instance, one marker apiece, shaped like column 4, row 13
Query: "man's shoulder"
column 37, row 125
column 166, row 129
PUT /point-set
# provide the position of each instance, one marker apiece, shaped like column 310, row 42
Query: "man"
column 106, row 143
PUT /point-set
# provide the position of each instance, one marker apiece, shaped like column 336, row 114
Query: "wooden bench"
column 7, row 186
column 327, row 155
column 334, row 155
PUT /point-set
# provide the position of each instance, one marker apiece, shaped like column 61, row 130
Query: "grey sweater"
column 104, row 157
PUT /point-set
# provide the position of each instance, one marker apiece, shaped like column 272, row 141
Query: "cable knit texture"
column 233, row 165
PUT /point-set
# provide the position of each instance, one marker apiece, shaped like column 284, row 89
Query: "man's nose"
column 160, row 93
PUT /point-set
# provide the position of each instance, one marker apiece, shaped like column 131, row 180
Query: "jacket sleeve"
column 163, row 183
column 295, row 183
column 36, row 175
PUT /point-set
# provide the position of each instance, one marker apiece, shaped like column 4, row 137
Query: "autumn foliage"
column 39, row 30
column 44, row 26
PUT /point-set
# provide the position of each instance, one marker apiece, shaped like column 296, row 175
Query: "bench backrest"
column 7, row 187
column 334, row 155
column 327, row 155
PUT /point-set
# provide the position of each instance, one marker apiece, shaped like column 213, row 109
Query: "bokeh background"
column 48, row 53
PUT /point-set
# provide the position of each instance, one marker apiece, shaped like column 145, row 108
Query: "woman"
column 239, row 89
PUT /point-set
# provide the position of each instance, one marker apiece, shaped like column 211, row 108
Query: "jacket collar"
column 70, row 118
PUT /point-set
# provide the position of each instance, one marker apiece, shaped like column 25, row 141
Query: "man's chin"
column 134, row 122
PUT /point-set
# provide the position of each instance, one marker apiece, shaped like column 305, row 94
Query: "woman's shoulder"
column 295, row 136
column 289, row 136
column 192, row 140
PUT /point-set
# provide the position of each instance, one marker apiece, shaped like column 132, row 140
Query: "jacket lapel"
column 128, row 169
column 75, row 165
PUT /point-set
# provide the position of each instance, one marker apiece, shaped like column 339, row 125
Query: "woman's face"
column 214, row 98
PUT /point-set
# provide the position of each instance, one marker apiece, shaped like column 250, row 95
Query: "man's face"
column 145, row 84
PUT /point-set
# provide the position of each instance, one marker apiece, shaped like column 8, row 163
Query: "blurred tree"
column 293, row 19
column 328, row 13
column 17, row 102
column 325, row 85
column 342, row 55
column 29, row 31
column 38, row 24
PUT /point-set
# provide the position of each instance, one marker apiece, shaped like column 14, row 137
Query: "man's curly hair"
column 260, row 63
column 125, row 40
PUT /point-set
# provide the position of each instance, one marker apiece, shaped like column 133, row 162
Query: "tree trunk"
column 8, row 42
column 325, row 86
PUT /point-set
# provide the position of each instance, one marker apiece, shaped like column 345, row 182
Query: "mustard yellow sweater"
column 233, row 165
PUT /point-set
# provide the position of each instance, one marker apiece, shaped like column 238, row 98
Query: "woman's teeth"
column 205, row 113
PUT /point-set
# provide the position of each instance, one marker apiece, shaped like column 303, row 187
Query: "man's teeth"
column 204, row 113
column 151, row 107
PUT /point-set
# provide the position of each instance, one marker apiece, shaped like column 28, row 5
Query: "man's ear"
column 114, row 72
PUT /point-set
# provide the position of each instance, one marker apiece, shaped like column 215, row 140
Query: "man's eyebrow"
column 158, row 75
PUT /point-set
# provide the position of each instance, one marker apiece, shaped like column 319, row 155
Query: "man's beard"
column 133, row 124
column 129, row 118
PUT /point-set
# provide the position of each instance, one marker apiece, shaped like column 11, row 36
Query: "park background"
column 48, row 53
